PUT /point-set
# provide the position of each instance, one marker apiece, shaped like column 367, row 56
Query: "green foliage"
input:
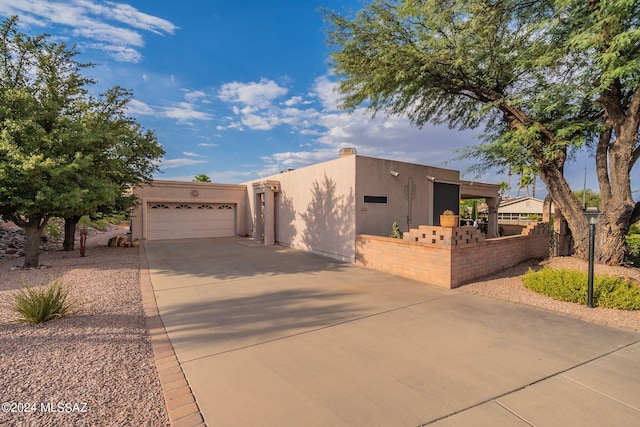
column 40, row 95
column 201, row 178
column 63, row 153
column 545, row 78
column 469, row 207
column 634, row 229
column 53, row 229
column 590, row 197
column 395, row 231
column 101, row 224
column 633, row 242
column 571, row 286
column 37, row 305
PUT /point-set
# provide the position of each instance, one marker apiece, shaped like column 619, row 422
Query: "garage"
column 190, row 220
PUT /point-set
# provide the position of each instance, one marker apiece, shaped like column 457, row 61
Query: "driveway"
column 272, row 336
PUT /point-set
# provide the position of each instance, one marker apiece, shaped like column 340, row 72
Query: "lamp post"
column 592, row 215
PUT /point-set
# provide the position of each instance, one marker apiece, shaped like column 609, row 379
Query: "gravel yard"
column 100, row 363
column 508, row 286
column 97, row 367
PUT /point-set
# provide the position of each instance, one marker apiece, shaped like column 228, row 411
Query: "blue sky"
column 238, row 89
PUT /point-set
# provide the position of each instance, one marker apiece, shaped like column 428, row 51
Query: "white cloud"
column 193, row 95
column 185, row 112
column 176, row 163
column 111, row 27
column 324, row 89
column 256, row 122
column 129, row 15
column 301, row 158
column 191, row 154
column 135, row 107
column 293, row 101
column 208, row 144
column 119, row 53
column 182, row 111
column 258, row 94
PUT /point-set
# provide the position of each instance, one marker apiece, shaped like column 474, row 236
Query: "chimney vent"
column 349, row 151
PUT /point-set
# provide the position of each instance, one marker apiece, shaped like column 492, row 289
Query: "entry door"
column 445, row 196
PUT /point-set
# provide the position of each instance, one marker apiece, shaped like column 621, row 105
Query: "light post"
column 592, row 215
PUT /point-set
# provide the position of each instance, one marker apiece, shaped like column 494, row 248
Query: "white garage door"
column 189, row 220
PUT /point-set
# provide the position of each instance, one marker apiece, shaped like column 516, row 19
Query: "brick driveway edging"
column 181, row 404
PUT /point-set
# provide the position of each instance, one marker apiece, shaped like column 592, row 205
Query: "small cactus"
column 395, row 231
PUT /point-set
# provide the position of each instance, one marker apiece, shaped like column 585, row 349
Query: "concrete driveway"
column 271, row 336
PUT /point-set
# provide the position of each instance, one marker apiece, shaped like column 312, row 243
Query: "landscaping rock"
column 12, row 240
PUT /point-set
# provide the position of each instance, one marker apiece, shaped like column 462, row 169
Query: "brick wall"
column 450, row 257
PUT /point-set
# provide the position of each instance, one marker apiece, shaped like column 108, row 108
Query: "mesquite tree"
column 62, row 154
column 122, row 155
column 40, row 84
column 547, row 78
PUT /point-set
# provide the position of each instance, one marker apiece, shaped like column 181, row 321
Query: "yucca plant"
column 37, row 305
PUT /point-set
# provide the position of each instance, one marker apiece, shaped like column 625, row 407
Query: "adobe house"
column 319, row 208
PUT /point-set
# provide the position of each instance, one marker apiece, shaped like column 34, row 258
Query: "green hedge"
column 633, row 241
column 570, row 285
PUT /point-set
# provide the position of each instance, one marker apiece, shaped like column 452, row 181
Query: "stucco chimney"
column 349, row 151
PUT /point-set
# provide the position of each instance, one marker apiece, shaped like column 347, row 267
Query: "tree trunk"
column 33, row 239
column 70, row 232
column 571, row 210
column 533, row 185
column 614, row 160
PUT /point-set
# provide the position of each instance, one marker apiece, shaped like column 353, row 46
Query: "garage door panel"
column 190, row 220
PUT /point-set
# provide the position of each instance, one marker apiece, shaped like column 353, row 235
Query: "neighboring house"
column 520, row 209
column 319, row 208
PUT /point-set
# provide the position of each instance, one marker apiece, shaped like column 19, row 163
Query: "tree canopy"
column 201, row 178
column 545, row 77
column 62, row 152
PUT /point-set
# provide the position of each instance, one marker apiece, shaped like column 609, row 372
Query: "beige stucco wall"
column 315, row 208
column 374, row 178
column 188, row 192
column 321, row 208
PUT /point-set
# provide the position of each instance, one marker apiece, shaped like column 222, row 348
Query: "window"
column 375, row 199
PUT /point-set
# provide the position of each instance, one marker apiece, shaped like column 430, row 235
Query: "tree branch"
column 634, row 104
column 602, row 165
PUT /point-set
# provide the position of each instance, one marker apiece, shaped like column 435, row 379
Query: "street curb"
column 181, row 404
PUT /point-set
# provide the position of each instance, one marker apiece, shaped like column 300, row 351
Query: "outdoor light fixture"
column 592, row 215
column 394, row 173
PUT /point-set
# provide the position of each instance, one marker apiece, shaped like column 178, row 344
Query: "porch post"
column 269, row 218
column 492, row 225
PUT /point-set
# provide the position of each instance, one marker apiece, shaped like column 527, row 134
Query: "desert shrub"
column 633, row 241
column 395, row 231
column 570, row 285
column 101, row 224
column 53, row 228
column 37, row 305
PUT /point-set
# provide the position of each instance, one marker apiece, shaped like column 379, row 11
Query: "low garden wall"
column 450, row 257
